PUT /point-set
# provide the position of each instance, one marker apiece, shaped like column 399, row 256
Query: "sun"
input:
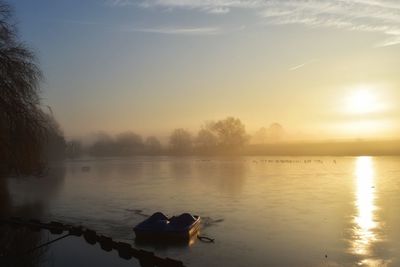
column 362, row 101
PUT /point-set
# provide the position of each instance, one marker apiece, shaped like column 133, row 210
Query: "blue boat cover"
column 158, row 223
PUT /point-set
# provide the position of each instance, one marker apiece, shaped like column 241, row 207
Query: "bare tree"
column 206, row 140
column 22, row 122
column 275, row 132
column 54, row 145
column 231, row 133
column 260, row 137
column 180, row 141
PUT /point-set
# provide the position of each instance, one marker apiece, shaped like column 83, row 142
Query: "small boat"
column 160, row 227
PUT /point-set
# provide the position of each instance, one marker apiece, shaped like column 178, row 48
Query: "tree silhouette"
column 22, row 122
column 152, row 145
column 128, row 144
column 206, row 140
column 275, row 132
column 74, row 148
column 103, row 146
column 260, row 137
column 231, row 133
column 180, row 141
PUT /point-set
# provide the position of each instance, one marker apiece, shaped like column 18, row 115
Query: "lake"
column 261, row 211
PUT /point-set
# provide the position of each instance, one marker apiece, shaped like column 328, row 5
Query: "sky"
column 322, row 69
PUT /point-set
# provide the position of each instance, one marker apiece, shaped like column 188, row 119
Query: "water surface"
column 262, row 211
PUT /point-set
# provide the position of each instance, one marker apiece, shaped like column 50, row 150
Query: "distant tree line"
column 274, row 133
column 122, row 145
column 225, row 136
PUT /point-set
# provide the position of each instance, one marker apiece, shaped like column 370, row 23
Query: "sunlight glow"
column 365, row 224
column 362, row 101
column 365, row 112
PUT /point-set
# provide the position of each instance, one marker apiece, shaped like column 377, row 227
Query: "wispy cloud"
column 379, row 16
column 156, row 30
column 356, row 15
column 177, row 31
column 79, row 22
column 120, row 2
column 299, row 66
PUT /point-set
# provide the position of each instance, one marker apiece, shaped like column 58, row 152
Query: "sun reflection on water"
column 364, row 234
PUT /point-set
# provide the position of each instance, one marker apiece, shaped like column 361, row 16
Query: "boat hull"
column 168, row 234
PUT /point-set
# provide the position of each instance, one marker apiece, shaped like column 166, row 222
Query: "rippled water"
column 262, row 211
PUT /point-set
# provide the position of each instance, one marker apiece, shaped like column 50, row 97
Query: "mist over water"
column 262, row 211
column 276, row 122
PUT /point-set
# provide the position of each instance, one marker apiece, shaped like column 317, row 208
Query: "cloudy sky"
column 323, row 69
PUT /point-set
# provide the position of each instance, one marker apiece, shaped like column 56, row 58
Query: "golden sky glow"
column 362, row 101
column 322, row 70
